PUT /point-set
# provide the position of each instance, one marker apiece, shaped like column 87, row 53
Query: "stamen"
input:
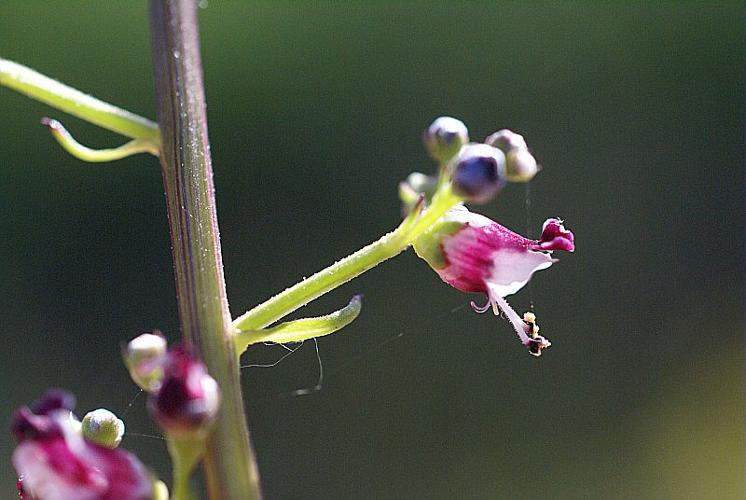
column 526, row 327
column 481, row 309
column 521, row 328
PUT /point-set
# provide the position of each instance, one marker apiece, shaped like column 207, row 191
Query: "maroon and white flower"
column 55, row 462
column 475, row 254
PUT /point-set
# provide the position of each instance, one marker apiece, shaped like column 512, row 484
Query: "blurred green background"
column 635, row 111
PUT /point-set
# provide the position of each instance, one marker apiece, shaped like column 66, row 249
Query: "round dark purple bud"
column 188, row 398
column 478, row 173
column 506, row 141
column 444, row 138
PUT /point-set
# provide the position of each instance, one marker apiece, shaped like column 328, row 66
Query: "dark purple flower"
column 475, row 254
column 188, row 398
column 54, row 462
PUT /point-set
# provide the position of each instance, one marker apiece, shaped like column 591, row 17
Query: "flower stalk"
column 386, row 247
column 185, row 455
column 204, row 317
column 58, row 95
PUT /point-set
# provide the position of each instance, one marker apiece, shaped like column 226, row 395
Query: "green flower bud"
column 160, row 490
column 144, row 358
column 444, row 138
column 520, row 165
column 103, row 427
column 506, row 141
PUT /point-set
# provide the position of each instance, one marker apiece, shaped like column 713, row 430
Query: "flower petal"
column 554, row 236
column 511, row 270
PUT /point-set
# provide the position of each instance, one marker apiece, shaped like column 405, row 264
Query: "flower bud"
column 412, row 187
column 188, row 399
column 143, row 356
column 506, row 141
column 421, row 183
column 520, row 165
column 444, row 138
column 478, row 172
column 103, row 428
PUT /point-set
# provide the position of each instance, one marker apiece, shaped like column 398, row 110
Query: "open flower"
column 55, row 462
column 475, row 254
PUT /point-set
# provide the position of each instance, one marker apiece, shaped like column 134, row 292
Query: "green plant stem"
column 366, row 258
column 72, row 101
column 185, row 455
column 204, row 317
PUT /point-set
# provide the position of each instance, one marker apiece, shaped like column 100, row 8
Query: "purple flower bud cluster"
column 57, row 460
column 478, row 171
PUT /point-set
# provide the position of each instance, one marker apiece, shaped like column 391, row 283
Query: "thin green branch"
column 58, row 95
column 354, row 265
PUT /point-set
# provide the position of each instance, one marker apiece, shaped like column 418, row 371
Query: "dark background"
column 316, row 109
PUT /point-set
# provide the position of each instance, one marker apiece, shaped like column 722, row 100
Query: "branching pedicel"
column 58, row 459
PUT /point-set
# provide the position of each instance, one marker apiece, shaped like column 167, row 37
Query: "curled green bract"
column 301, row 329
column 85, row 153
column 147, row 137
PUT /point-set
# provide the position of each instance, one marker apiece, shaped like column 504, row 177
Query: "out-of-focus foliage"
column 316, row 110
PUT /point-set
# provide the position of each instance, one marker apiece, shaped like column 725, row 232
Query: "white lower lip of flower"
column 511, row 270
